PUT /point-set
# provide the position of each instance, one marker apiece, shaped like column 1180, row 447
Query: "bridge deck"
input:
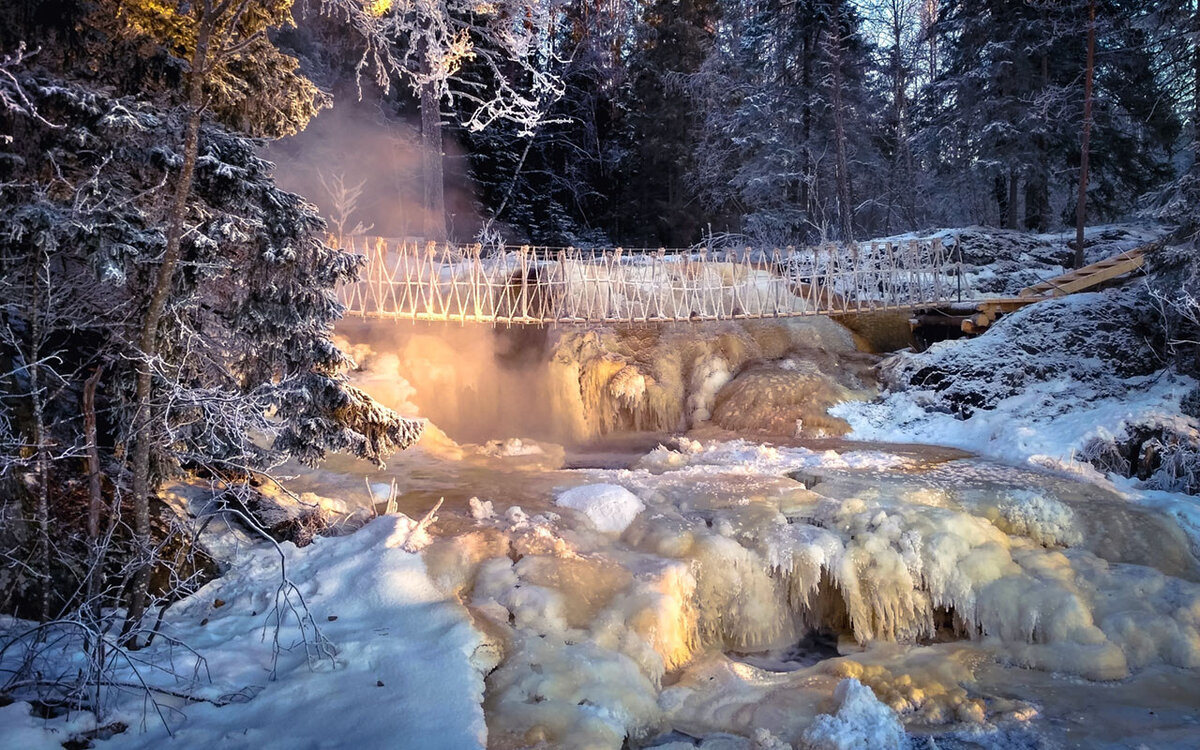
column 571, row 286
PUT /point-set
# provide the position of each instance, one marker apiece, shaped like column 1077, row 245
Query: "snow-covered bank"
column 1000, row 262
column 1075, row 384
column 406, row 668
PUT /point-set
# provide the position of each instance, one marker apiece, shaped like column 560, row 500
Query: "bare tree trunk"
column 930, row 12
column 1081, row 204
column 808, row 193
column 1196, row 89
column 41, row 463
column 95, row 498
column 1014, row 181
column 846, row 207
column 431, row 159
column 143, row 425
column 902, row 190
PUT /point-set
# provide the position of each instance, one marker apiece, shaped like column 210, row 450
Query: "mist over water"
column 368, row 143
column 570, row 385
column 474, row 382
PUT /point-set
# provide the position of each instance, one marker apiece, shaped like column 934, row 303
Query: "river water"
column 988, row 605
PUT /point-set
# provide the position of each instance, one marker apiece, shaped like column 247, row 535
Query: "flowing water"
column 717, row 588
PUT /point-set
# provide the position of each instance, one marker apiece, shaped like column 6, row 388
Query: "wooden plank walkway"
column 983, row 313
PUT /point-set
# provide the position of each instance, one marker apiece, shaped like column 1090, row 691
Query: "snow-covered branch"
column 12, row 94
column 428, row 43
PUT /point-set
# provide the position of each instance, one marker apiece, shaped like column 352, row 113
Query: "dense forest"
column 671, row 123
column 805, row 121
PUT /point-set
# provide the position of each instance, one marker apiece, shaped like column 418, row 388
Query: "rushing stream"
column 988, row 605
column 738, row 587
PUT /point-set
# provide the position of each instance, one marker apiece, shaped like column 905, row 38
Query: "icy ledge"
column 406, row 671
column 1048, row 424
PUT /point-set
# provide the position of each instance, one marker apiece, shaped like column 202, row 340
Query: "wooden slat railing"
column 525, row 285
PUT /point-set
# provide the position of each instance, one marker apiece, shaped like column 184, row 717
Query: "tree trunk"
column 846, row 207
column 1081, row 205
column 931, row 14
column 808, row 197
column 1014, row 181
column 431, row 159
column 41, row 462
column 1196, row 90
column 144, row 418
column 95, row 573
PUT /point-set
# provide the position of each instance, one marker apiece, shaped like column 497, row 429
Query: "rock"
column 1097, row 340
column 282, row 517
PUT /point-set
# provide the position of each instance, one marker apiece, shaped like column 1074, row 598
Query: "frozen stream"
column 717, row 591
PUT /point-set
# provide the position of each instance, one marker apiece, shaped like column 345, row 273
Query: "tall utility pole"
column 1081, row 205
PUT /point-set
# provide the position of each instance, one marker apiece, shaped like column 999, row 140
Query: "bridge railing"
column 525, row 284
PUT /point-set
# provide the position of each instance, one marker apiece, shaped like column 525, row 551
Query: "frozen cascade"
column 572, row 385
column 678, row 595
column 731, row 556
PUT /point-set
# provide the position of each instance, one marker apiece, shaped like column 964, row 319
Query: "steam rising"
column 366, row 143
column 572, row 385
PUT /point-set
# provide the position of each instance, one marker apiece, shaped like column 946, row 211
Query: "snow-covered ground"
column 1044, row 387
column 1001, row 262
column 401, row 665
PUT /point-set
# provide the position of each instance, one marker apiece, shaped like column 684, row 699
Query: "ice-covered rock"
column 1096, row 341
column 861, row 722
column 1043, row 519
column 610, row 507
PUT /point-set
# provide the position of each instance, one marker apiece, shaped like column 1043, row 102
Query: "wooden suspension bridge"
column 529, row 285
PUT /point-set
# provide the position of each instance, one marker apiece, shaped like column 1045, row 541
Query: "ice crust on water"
column 725, row 569
column 758, row 458
column 610, row 507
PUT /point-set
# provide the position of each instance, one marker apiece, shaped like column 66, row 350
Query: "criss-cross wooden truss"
column 528, row 285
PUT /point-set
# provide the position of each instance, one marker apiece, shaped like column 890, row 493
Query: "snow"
column 1000, row 262
column 743, row 456
column 1019, row 428
column 610, row 507
column 861, row 722
column 1042, row 388
column 1036, row 388
column 1043, row 519
column 407, row 670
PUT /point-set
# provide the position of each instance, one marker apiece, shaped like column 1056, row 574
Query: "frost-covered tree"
column 428, row 44
column 657, row 200
column 1009, row 104
column 195, row 296
column 789, row 116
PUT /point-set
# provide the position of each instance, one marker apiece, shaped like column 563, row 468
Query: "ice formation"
column 739, row 376
column 610, row 507
column 1043, row 519
column 730, row 556
column 861, row 722
column 572, row 385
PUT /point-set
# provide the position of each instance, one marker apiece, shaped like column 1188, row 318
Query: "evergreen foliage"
column 244, row 370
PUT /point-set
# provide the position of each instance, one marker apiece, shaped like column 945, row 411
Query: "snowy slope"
column 1001, row 262
column 1051, row 385
column 402, row 675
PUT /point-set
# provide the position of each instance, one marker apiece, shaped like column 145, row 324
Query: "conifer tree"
column 192, row 299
